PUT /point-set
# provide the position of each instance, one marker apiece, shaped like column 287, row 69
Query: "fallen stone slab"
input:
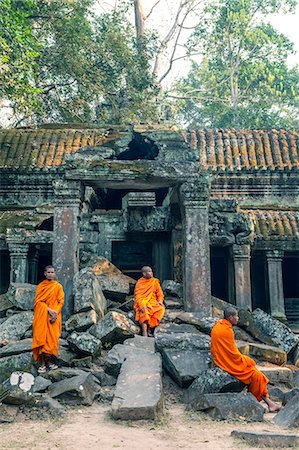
column 81, row 321
column 88, row 293
column 295, row 356
column 41, row 384
column 228, row 406
column 203, row 324
column 212, row 381
column 114, row 328
column 5, row 304
column 265, row 439
column 22, row 295
column 81, row 389
column 16, row 363
column 288, row 416
column 183, row 337
column 141, row 342
column 289, row 395
column 296, row 378
column 15, row 326
column 277, row 374
column 17, row 389
column 267, row 353
column 65, row 356
column 276, row 394
column 184, row 366
column 172, row 288
column 117, row 355
column 274, row 331
column 128, row 304
column 139, row 392
column 173, row 303
column 14, row 348
column 104, row 378
column 85, row 343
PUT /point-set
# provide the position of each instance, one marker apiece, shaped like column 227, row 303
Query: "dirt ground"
column 92, row 428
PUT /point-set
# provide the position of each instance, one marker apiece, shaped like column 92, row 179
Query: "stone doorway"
column 219, row 272
column 290, row 271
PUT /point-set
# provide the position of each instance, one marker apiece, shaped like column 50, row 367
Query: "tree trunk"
column 139, row 19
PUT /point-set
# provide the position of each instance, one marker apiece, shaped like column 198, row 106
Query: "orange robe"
column 227, row 356
column 49, row 294
column 148, row 293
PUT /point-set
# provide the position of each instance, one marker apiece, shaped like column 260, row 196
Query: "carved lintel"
column 68, row 192
column 18, row 249
column 195, row 193
column 241, row 252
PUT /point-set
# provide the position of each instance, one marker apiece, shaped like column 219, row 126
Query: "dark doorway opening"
column 290, row 274
column 112, row 198
column 259, row 281
column 44, row 259
column 4, row 270
column 219, row 272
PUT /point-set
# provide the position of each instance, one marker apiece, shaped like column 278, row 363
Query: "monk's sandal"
column 42, row 369
column 52, row 366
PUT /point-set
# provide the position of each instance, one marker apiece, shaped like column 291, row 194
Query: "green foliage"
column 19, row 50
column 243, row 79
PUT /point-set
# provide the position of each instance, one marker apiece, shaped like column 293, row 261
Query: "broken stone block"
column 184, row 366
column 84, row 363
column 41, row 384
column 173, row 303
column 181, row 337
column 106, row 394
column 116, row 286
column 14, row 348
column 276, row 394
column 114, row 328
column 128, row 304
column 289, row 395
column 64, row 372
column 52, row 405
column 21, row 363
column 267, row 353
column 296, row 378
column 85, row 343
column 5, row 304
column 17, row 389
column 15, row 326
column 288, row 416
column 295, row 356
column 141, row 342
column 88, row 294
column 104, row 378
column 65, row 356
column 116, row 357
column 212, row 381
column 277, row 374
column 81, row 321
column 228, row 406
column 139, row 392
column 203, row 324
column 273, row 332
column 172, row 288
column 265, row 439
column 81, row 389
column 22, row 295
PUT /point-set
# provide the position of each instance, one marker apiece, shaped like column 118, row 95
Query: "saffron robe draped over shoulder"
column 148, row 293
column 228, row 357
column 49, row 294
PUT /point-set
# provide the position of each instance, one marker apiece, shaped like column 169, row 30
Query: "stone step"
column 277, row 374
column 139, row 392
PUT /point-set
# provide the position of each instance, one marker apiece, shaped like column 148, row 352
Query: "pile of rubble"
column 102, row 358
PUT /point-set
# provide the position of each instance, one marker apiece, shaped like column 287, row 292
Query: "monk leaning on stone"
column 227, row 356
column 47, row 322
column 148, row 301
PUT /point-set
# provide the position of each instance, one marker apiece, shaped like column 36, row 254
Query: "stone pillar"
column 18, row 262
column 275, row 283
column 33, row 265
column 194, row 197
column 242, row 280
column 67, row 213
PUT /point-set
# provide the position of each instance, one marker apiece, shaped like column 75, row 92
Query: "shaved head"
column 231, row 314
column 147, row 272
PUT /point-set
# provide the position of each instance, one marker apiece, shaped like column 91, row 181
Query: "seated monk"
column 227, row 356
column 148, row 301
column 47, row 320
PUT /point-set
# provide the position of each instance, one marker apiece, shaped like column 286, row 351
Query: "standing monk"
column 227, row 356
column 46, row 324
column 148, row 302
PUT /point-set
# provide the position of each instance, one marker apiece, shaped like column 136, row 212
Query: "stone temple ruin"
column 214, row 212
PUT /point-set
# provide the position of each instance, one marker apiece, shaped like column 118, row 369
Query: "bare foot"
column 273, row 409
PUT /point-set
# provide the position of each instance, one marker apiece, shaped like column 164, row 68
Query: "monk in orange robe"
column 228, row 357
column 46, row 324
column 148, row 301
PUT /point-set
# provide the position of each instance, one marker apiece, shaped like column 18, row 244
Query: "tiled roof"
column 232, row 150
column 219, row 150
column 275, row 225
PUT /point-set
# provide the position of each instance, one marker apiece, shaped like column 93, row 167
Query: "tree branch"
column 152, row 9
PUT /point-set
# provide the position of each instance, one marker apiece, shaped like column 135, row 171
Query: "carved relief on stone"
column 231, row 228
column 148, row 219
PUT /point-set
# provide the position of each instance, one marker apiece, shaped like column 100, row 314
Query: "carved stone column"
column 67, row 214
column 275, row 283
column 194, row 197
column 33, row 265
column 242, row 280
column 18, row 262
